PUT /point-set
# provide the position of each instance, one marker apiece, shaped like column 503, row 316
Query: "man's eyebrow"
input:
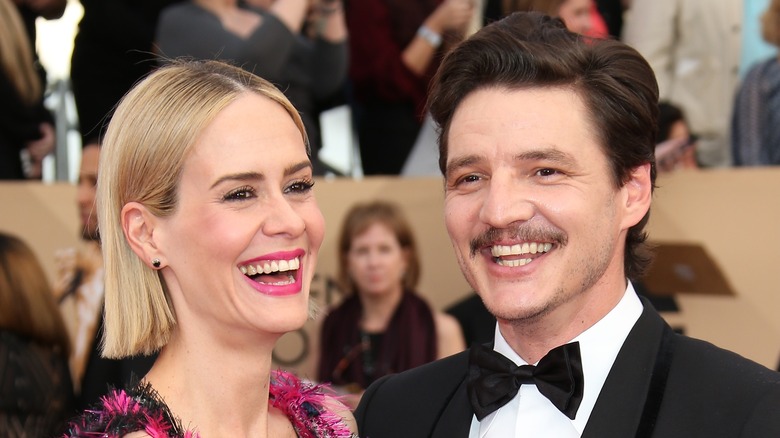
column 547, row 154
column 464, row 161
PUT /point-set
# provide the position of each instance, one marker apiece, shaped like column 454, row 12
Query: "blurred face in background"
column 576, row 15
column 85, row 195
column 376, row 261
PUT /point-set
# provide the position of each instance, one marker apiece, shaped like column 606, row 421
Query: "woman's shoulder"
column 313, row 409
column 449, row 334
column 137, row 412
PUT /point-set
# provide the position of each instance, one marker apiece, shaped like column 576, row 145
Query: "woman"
column 299, row 45
column 383, row 326
column 36, row 393
column 26, row 126
column 210, row 234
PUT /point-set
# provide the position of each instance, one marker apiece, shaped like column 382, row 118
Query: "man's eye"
column 547, row 172
column 467, row 179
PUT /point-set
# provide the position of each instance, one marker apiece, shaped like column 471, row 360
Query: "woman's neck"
column 213, row 387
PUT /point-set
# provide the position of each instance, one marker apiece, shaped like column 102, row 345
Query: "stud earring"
column 156, row 263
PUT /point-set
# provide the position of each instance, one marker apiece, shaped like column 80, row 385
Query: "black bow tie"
column 494, row 379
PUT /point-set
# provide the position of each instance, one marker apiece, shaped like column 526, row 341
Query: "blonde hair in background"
column 358, row 219
column 16, row 54
column 147, row 143
column 27, row 304
column 770, row 23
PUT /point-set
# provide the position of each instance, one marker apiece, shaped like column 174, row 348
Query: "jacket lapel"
column 455, row 419
column 628, row 380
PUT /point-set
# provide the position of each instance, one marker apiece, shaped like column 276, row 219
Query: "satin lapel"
column 629, row 380
column 455, row 420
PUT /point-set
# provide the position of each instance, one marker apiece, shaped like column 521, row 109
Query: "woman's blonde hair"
column 27, row 305
column 16, row 55
column 147, row 142
column 359, row 218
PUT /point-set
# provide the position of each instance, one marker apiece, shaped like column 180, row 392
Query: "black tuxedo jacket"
column 103, row 374
column 662, row 385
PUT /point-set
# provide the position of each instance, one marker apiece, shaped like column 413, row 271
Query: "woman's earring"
column 156, row 263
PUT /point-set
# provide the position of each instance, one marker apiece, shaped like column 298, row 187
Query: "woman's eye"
column 240, row 194
column 302, row 186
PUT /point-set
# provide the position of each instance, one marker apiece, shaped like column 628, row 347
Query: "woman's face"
column 576, row 15
column 376, row 261
column 245, row 206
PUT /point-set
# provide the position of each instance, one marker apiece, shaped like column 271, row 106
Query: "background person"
column 755, row 125
column 79, row 292
column 298, row 45
column 36, row 394
column 383, row 326
column 111, row 52
column 240, row 170
column 396, row 48
column 26, row 126
column 676, row 147
column 694, row 48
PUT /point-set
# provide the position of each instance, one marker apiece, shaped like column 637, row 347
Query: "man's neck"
column 534, row 337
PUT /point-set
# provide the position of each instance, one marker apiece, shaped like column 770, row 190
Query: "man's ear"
column 138, row 224
column 638, row 195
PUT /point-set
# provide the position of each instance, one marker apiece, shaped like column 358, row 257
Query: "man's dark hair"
column 531, row 50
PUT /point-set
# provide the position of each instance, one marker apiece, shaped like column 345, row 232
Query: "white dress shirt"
column 531, row 414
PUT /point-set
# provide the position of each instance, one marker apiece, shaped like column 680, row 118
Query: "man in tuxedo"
column 79, row 292
column 546, row 146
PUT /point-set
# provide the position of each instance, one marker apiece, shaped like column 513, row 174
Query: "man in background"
column 79, row 292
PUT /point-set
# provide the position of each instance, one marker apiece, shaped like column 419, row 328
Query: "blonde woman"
column 26, row 126
column 210, row 234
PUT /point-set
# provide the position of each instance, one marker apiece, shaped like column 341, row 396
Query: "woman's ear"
column 138, row 224
column 638, row 195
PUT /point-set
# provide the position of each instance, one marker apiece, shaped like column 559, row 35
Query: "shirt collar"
column 599, row 346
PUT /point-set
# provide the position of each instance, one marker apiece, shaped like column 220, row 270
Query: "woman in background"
column 26, row 126
column 36, row 392
column 210, row 234
column 383, row 326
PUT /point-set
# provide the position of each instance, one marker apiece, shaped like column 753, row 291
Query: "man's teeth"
column 520, row 249
column 267, row 267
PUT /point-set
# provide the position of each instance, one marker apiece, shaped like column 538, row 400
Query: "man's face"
column 85, row 196
column 533, row 213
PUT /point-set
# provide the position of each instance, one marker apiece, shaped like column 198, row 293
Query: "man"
column 546, row 146
column 79, row 292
